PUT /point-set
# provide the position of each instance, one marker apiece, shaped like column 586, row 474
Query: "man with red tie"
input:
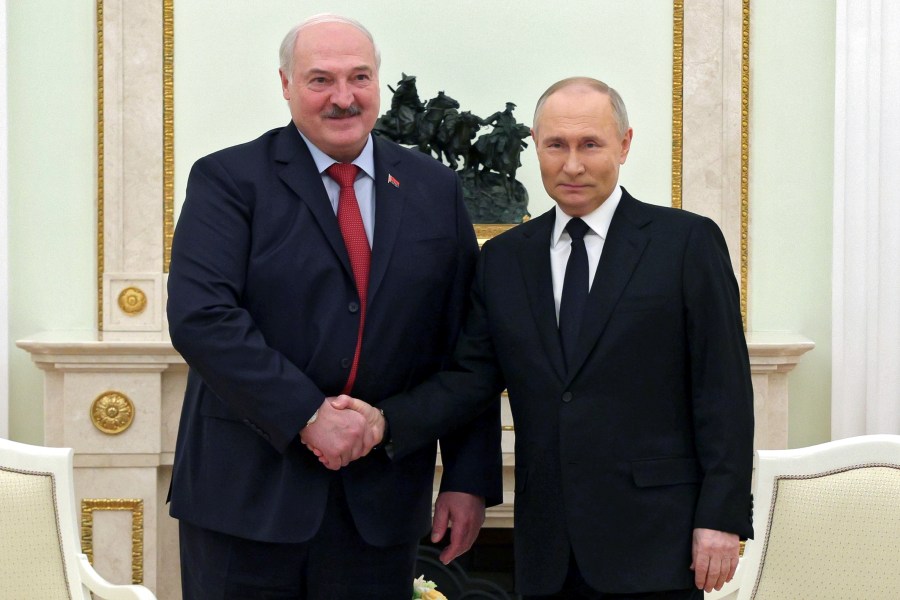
column 313, row 261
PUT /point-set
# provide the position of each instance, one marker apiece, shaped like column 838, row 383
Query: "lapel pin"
column 393, row 181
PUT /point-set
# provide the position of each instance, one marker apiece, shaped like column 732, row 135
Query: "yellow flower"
column 433, row 595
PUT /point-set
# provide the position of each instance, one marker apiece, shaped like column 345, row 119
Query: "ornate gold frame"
column 677, row 99
column 482, row 231
column 136, row 506
column 745, row 156
column 100, row 149
column 168, row 130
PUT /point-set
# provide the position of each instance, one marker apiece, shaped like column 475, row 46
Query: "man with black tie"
column 314, row 261
column 615, row 327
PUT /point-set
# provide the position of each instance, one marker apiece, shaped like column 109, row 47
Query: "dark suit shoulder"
column 641, row 213
column 261, row 146
column 541, row 225
column 388, row 152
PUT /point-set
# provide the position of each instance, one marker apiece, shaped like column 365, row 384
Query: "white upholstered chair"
column 827, row 523
column 40, row 553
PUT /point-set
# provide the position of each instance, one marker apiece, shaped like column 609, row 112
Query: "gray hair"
column 618, row 105
column 286, row 52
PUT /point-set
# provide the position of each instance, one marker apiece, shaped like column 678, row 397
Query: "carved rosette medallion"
column 132, row 301
column 112, row 412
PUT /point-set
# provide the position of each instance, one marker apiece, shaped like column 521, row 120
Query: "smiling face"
column 333, row 91
column 579, row 148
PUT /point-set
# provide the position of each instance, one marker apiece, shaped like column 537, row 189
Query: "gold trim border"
column 745, row 157
column 136, row 507
column 100, row 151
column 168, row 131
column 677, row 99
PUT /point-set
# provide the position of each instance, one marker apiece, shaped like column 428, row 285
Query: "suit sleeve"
column 445, row 405
column 208, row 325
column 721, row 389
column 471, row 453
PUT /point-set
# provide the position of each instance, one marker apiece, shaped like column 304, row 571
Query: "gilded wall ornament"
column 136, row 507
column 132, row 301
column 112, row 412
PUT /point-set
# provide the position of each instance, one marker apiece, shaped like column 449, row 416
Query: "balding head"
column 618, row 105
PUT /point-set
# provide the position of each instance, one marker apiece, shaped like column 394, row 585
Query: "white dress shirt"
column 561, row 243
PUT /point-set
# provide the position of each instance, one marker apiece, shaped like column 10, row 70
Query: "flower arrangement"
column 426, row 590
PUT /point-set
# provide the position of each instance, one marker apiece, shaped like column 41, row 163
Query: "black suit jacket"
column 264, row 309
column 648, row 436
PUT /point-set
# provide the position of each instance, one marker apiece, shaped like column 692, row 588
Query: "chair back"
column 38, row 533
column 827, row 522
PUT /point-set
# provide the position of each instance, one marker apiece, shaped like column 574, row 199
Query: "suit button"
column 353, row 307
column 567, row 397
column 346, row 362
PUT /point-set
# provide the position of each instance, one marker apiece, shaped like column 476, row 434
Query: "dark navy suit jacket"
column 648, row 436
column 264, row 309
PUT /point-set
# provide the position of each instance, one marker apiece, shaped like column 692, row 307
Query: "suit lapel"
column 622, row 250
column 390, row 200
column 300, row 174
column 534, row 261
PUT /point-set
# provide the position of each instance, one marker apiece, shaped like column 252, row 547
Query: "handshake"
column 343, row 430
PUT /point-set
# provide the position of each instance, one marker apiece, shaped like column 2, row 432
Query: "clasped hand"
column 345, row 429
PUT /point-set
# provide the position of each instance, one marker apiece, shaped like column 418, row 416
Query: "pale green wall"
column 791, row 154
column 52, row 153
column 52, row 175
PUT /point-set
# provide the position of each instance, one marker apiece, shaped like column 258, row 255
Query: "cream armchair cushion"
column 31, row 563
column 827, row 523
column 40, row 554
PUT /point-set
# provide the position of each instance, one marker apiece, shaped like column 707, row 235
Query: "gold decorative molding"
column 132, row 301
column 483, row 231
column 168, row 131
column 745, row 156
column 136, row 507
column 100, row 149
column 112, row 412
column 677, row 98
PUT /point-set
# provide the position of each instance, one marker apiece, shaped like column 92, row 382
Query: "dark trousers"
column 575, row 588
column 335, row 564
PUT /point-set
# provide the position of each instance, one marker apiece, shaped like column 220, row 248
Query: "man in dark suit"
column 615, row 327
column 291, row 283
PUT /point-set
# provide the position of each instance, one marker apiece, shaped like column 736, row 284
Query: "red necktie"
column 351, row 224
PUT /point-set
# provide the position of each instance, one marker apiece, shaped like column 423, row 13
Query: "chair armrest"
column 106, row 590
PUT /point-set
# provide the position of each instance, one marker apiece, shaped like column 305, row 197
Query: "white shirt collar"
column 598, row 220
column 365, row 161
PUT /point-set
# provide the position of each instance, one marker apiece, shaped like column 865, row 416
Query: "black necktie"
column 575, row 290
